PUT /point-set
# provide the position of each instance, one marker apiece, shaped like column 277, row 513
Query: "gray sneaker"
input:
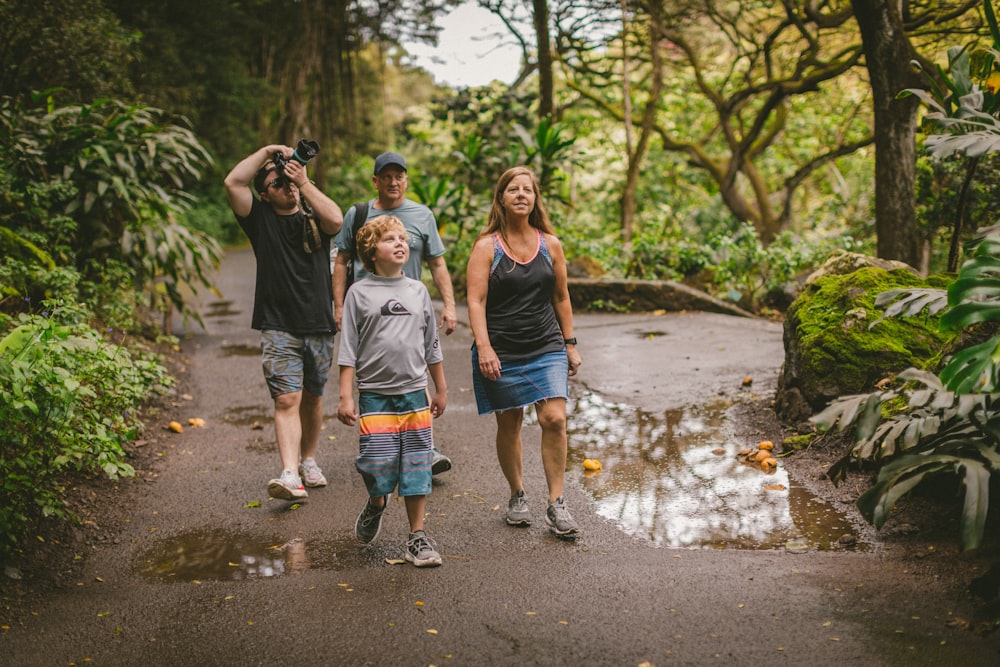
column 420, row 550
column 311, row 473
column 517, row 510
column 287, row 486
column 559, row 519
column 439, row 462
column 370, row 521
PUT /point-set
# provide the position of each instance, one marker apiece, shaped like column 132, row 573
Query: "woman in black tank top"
column 524, row 350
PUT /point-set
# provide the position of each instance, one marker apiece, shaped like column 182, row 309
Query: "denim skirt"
column 521, row 383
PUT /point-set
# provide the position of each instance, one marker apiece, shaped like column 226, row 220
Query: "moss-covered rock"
column 830, row 350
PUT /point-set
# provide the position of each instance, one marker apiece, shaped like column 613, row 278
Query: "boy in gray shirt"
column 389, row 344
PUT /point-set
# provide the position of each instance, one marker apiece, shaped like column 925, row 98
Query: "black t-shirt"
column 293, row 291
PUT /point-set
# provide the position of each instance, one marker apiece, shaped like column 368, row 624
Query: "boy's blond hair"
column 371, row 233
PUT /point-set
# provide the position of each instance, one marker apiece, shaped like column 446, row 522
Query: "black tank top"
column 520, row 319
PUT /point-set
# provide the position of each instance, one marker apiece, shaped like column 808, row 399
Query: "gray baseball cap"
column 387, row 158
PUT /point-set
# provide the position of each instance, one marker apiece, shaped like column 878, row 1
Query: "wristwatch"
column 570, row 341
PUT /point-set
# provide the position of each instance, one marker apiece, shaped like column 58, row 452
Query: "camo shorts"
column 292, row 362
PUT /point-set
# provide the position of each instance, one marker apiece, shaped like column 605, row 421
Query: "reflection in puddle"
column 674, row 479
column 220, row 309
column 244, row 350
column 216, row 555
column 249, row 415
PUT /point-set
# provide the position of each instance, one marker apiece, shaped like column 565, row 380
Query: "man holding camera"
column 390, row 181
column 290, row 227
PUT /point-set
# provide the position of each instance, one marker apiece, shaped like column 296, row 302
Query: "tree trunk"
column 632, row 174
column 888, row 53
column 546, row 101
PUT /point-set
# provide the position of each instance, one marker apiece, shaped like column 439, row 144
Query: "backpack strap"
column 360, row 218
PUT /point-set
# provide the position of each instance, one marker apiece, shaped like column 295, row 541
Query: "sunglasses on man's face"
column 277, row 183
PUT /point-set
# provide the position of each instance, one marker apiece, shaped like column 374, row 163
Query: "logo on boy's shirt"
column 393, row 307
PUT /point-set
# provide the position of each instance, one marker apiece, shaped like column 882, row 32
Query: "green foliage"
column 941, row 433
column 77, row 46
column 68, row 401
column 212, row 217
column 951, row 425
column 745, row 269
column 104, row 182
column 735, row 265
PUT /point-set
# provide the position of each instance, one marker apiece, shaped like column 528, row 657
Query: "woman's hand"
column 573, row 357
column 489, row 363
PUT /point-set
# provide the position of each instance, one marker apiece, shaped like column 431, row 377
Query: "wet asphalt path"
column 504, row 596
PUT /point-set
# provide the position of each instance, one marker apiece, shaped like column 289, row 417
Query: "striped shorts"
column 395, row 443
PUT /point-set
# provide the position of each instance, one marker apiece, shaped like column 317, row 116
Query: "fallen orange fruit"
column 591, row 464
column 175, row 427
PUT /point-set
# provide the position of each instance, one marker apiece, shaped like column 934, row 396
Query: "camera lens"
column 305, row 151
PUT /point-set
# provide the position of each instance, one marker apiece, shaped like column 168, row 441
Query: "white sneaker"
column 311, row 474
column 287, row 487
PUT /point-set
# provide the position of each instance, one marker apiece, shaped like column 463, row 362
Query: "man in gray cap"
column 390, row 181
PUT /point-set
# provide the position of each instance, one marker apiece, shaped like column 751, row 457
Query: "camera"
column 305, row 150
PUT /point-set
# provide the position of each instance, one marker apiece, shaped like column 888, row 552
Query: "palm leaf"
column 910, row 302
column 973, row 369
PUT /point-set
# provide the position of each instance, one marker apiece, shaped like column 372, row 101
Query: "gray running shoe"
column 517, row 510
column 439, row 462
column 420, row 550
column 559, row 519
column 311, row 473
column 370, row 521
column 287, row 486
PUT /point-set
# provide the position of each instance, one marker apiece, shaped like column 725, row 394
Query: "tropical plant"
column 118, row 173
column 68, row 404
column 950, row 423
column 964, row 99
column 547, row 150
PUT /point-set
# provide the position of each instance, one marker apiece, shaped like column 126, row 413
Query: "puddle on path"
column 221, row 309
column 674, row 479
column 221, row 556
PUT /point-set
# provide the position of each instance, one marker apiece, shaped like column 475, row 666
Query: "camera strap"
column 311, row 240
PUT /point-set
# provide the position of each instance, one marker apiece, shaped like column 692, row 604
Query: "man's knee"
column 288, row 401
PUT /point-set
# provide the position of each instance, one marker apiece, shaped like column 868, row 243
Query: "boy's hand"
column 438, row 403
column 346, row 412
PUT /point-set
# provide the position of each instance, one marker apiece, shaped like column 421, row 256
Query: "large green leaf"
column 974, row 369
column 895, row 480
column 910, row 302
column 898, row 478
column 976, row 504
